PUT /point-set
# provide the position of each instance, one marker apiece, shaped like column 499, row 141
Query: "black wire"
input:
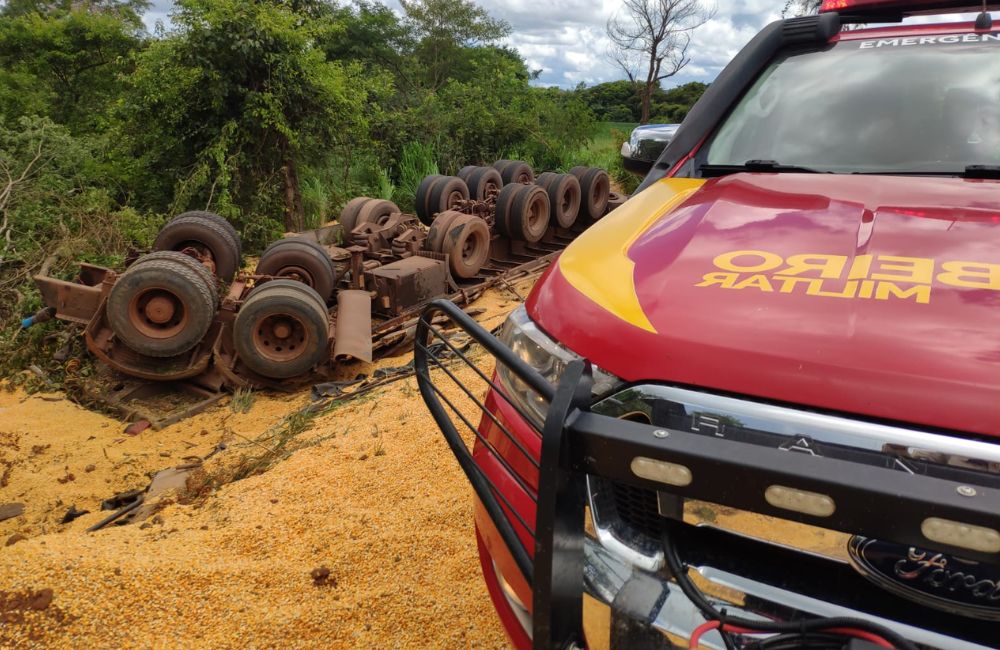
column 811, row 641
column 800, row 627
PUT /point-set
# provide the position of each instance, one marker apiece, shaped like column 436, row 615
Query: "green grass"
column 604, row 150
column 604, row 134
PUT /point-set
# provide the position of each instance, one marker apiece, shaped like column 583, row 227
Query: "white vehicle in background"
column 645, row 145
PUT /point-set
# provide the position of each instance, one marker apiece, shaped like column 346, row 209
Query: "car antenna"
column 984, row 20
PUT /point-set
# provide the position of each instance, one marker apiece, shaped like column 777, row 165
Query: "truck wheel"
column 448, row 194
column 465, row 172
column 376, row 212
column 422, row 200
column 579, row 171
column 282, row 330
column 500, row 164
column 219, row 219
column 302, row 260
column 564, row 199
column 518, row 171
column 528, row 218
column 503, row 207
column 467, row 243
column 544, row 179
column 596, row 188
column 484, row 182
column 436, row 235
column 349, row 215
column 163, row 305
column 615, row 201
column 205, row 235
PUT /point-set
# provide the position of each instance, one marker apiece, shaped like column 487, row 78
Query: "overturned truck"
column 186, row 313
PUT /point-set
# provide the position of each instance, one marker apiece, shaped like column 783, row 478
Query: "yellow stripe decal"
column 597, row 263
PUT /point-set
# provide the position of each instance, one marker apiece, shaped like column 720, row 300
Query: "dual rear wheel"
column 523, row 212
column 302, row 260
column 465, row 238
column 207, row 234
column 437, row 194
column 282, row 329
column 163, row 305
column 595, row 188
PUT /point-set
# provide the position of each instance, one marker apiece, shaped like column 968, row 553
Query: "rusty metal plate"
column 353, row 338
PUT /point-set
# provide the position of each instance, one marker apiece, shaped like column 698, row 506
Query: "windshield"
column 909, row 104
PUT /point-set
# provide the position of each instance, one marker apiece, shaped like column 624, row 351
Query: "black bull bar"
column 876, row 502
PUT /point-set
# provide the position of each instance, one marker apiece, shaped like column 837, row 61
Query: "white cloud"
column 568, row 38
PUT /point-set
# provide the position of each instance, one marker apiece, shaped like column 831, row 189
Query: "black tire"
column 579, row 171
column 564, row 199
column 436, row 235
column 615, row 201
column 518, row 171
column 466, row 171
column 503, row 208
column 349, row 215
column 544, row 179
column 467, row 243
column 484, row 182
column 203, row 271
column 500, row 164
column 202, row 233
column 219, row 219
column 300, row 259
column 162, row 306
column 422, row 199
column 377, row 212
column 595, row 186
column 529, row 214
column 257, row 330
column 448, row 193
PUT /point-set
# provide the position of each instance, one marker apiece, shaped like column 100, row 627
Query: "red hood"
column 859, row 330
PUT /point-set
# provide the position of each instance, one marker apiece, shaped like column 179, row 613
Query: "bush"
column 56, row 210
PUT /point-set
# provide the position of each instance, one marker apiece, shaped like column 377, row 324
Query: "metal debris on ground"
column 73, row 514
column 339, row 390
column 11, row 510
column 136, row 505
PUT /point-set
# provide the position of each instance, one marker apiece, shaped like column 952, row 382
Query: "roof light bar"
column 906, row 7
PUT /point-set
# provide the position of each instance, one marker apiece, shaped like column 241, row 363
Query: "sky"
column 566, row 39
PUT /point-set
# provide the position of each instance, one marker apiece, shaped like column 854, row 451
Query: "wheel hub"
column 159, row 310
column 282, row 330
column 158, row 313
column 298, row 274
column 280, row 337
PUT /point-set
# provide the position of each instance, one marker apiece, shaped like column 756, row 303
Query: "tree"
column 443, row 29
column 65, row 64
column 228, row 107
column 801, row 7
column 652, row 37
column 128, row 10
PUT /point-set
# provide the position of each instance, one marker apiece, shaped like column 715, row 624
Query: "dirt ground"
column 372, row 496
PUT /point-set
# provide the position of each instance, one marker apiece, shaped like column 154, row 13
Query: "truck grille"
column 637, row 508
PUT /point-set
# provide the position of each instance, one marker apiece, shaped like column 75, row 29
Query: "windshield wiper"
column 982, row 171
column 770, row 166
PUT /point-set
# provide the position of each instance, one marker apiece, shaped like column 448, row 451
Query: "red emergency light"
column 905, row 7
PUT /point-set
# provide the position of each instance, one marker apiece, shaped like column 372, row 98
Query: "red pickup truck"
column 757, row 406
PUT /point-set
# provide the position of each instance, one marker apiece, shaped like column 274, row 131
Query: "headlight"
column 546, row 356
